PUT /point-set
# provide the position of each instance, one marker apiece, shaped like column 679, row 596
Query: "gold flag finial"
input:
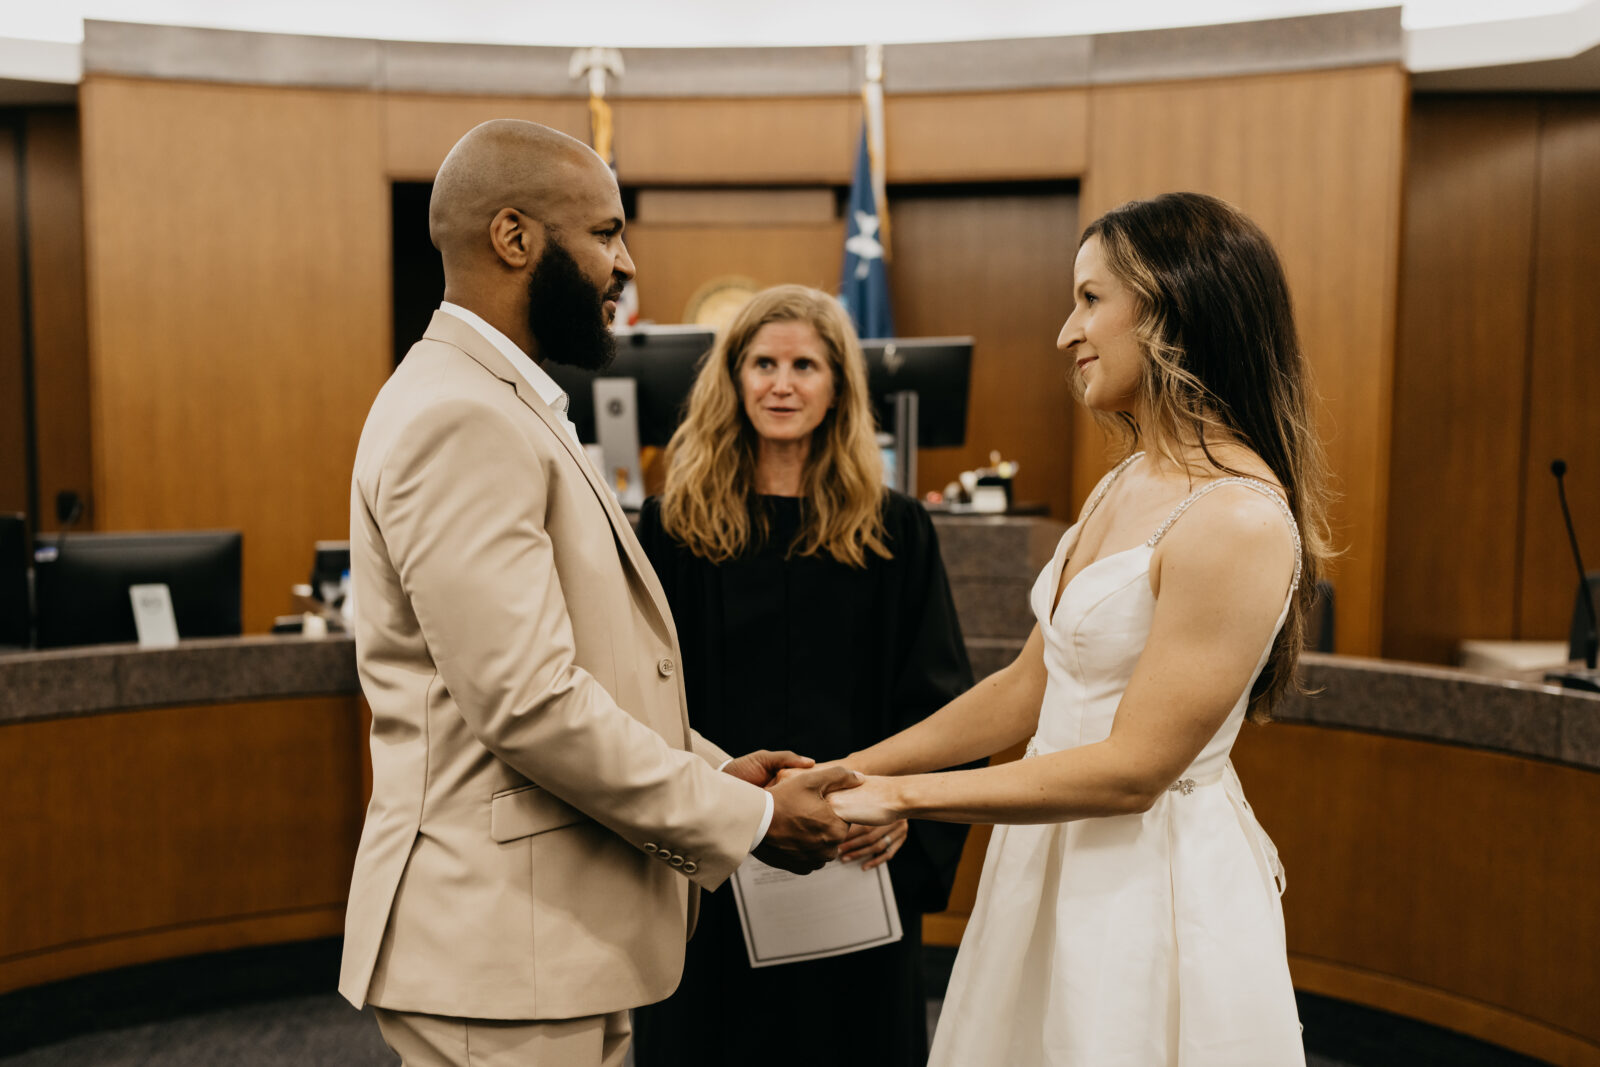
column 596, row 64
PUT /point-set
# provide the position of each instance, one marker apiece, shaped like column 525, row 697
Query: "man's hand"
column 789, row 772
column 760, row 767
column 805, row 833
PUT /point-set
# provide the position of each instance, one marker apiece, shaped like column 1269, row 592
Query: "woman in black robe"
column 814, row 615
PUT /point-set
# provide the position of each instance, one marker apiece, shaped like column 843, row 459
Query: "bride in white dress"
column 1129, row 910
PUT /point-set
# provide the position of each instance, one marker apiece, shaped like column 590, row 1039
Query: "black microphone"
column 69, row 509
column 1591, row 635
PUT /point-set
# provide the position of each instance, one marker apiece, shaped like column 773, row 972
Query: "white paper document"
column 790, row 917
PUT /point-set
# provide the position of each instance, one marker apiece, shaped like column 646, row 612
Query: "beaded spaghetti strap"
column 1253, row 483
column 1105, row 486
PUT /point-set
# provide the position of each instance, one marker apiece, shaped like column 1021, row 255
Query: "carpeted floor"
column 272, row 1008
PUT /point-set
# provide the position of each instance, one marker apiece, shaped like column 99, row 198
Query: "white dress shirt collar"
column 525, row 367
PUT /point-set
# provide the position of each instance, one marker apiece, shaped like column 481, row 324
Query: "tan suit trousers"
column 443, row 1041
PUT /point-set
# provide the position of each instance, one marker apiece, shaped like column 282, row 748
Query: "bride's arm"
column 1221, row 577
column 995, row 714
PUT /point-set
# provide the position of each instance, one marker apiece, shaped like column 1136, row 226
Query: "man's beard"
column 567, row 314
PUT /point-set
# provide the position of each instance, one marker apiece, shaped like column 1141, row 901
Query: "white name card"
column 152, row 615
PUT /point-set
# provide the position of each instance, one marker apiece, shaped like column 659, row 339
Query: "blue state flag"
column 864, row 281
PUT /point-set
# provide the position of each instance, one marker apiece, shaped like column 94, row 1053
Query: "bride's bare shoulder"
column 1231, row 538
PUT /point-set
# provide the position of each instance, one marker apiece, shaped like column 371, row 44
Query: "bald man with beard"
column 543, row 817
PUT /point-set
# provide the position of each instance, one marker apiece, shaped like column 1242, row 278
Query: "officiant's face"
column 786, row 381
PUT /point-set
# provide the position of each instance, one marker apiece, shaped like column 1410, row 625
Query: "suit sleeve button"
column 666, row 667
column 676, row 861
column 651, row 847
column 690, row 867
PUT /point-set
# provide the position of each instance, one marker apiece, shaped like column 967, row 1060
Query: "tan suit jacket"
column 540, row 806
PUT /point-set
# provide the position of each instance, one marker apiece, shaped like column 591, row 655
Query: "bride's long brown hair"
column 1223, row 363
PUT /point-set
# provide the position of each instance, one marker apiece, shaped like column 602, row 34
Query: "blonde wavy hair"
column 1222, row 363
column 711, row 459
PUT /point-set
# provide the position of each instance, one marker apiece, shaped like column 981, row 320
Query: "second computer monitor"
column 937, row 369
column 662, row 361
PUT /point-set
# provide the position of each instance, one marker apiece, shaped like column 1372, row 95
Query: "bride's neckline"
column 1099, row 496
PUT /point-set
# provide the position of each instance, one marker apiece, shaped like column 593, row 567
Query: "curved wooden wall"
column 149, row 834
column 1448, row 884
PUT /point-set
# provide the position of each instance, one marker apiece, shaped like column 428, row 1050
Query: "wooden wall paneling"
column 996, row 265
column 60, row 326
column 675, row 260
column 1436, row 880
column 1315, row 158
column 419, row 130
column 749, row 233
column 734, row 207
column 148, row 834
column 1564, row 383
column 1461, row 358
column 238, row 267
column 14, row 494
column 986, row 136
column 769, row 140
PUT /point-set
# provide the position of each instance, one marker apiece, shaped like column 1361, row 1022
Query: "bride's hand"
column 874, row 802
column 874, row 844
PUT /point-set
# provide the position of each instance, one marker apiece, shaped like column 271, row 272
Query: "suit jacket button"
column 666, row 667
column 651, row 848
column 676, row 861
column 690, row 867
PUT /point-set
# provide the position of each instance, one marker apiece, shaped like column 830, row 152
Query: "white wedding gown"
column 1151, row 940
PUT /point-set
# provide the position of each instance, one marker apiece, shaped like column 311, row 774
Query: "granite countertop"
column 104, row 678
column 1448, row 705
column 1377, row 696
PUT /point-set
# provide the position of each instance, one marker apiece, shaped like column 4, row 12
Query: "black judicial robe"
column 809, row 654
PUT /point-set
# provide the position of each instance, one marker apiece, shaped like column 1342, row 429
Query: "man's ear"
column 517, row 240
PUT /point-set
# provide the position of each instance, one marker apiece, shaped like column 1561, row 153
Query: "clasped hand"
column 817, row 813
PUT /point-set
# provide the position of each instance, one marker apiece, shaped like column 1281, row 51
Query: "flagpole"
column 863, row 277
column 596, row 64
column 872, row 103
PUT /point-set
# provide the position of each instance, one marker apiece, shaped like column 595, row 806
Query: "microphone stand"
column 1587, row 678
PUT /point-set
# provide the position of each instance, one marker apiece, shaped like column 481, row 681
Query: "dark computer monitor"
column 15, row 613
column 81, row 583
column 329, row 566
column 662, row 361
column 937, row 369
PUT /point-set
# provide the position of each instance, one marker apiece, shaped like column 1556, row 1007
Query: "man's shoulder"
column 437, row 388
column 436, row 372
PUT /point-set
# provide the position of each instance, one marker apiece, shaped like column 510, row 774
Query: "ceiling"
column 1451, row 45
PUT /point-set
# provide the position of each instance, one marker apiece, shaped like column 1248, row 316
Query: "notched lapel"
column 447, row 329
